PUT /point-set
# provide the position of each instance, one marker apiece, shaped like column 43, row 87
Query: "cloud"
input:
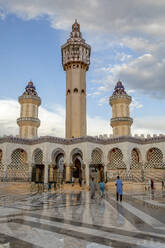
column 150, row 125
column 9, row 112
column 107, row 16
column 113, row 25
column 135, row 104
column 53, row 122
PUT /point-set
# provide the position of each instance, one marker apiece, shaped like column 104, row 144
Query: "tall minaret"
column 120, row 121
column 75, row 60
column 28, row 122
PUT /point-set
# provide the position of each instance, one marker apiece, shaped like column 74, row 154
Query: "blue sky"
column 127, row 43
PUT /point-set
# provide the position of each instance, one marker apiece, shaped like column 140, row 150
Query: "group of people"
column 119, row 188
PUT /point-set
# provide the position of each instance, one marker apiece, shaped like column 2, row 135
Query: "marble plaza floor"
column 73, row 220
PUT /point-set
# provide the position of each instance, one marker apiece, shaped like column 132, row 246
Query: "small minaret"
column 28, row 122
column 75, row 61
column 120, row 121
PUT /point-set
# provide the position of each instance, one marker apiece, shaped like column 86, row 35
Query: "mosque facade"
column 46, row 159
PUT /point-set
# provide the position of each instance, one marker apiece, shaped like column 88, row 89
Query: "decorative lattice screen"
column 38, row 156
column 1, row 165
column 154, row 159
column 18, row 169
column 116, row 159
column 135, row 159
column 96, row 157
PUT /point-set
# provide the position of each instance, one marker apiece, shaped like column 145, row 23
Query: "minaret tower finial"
column 28, row 122
column 75, row 61
column 120, row 121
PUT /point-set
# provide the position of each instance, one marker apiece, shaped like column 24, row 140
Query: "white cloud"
column 135, row 104
column 107, row 16
column 138, row 25
column 9, row 112
column 149, row 125
column 53, row 122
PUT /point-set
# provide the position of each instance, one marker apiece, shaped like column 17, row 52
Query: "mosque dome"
column 30, row 89
column 119, row 89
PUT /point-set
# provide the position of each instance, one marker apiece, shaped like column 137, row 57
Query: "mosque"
column 28, row 158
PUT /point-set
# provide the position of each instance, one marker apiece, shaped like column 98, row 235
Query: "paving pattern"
column 73, row 220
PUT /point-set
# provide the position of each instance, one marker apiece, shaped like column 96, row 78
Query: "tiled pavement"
column 73, row 220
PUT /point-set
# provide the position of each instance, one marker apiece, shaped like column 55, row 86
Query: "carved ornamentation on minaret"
column 120, row 121
column 75, row 61
column 28, row 122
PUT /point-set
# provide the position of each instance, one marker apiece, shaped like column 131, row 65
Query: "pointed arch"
column 96, row 156
column 18, row 169
column 154, row 158
column 135, row 158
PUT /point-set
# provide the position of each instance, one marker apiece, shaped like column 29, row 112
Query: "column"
column 30, row 171
column 68, row 173
column 87, row 173
column 84, row 172
column 5, row 161
column 46, row 167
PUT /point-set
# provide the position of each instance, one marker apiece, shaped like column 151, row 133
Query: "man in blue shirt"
column 102, row 187
column 119, row 188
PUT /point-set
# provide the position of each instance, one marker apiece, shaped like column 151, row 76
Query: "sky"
column 127, row 39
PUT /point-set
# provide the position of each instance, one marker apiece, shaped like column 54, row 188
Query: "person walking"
column 92, row 188
column 72, row 181
column 162, row 185
column 80, row 181
column 119, row 188
column 102, row 187
column 152, row 184
column 149, row 184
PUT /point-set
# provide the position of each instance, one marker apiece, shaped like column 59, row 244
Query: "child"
column 102, row 187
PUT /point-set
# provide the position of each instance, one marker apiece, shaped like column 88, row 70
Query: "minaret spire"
column 75, row 61
column 120, row 101
column 28, row 122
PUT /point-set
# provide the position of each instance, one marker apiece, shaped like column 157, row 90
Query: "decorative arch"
column 38, row 166
column 76, row 152
column 116, row 159
column 77, row 162
column 96, row 156
column 96, row 166
column 38, row 156
column 135, row 158
column 56, row 153
column 75, row 90
column 57, row 169
column 154, row 158
column 68, row 92
column 18, row 169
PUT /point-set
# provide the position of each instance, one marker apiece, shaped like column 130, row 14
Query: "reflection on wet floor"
column 74, row 220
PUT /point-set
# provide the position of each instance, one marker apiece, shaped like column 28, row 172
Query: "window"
column 75, row 90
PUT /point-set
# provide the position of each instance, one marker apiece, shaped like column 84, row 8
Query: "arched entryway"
column 38, row 166
column 96, row 168
column 57, row 168
column 77, row 170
